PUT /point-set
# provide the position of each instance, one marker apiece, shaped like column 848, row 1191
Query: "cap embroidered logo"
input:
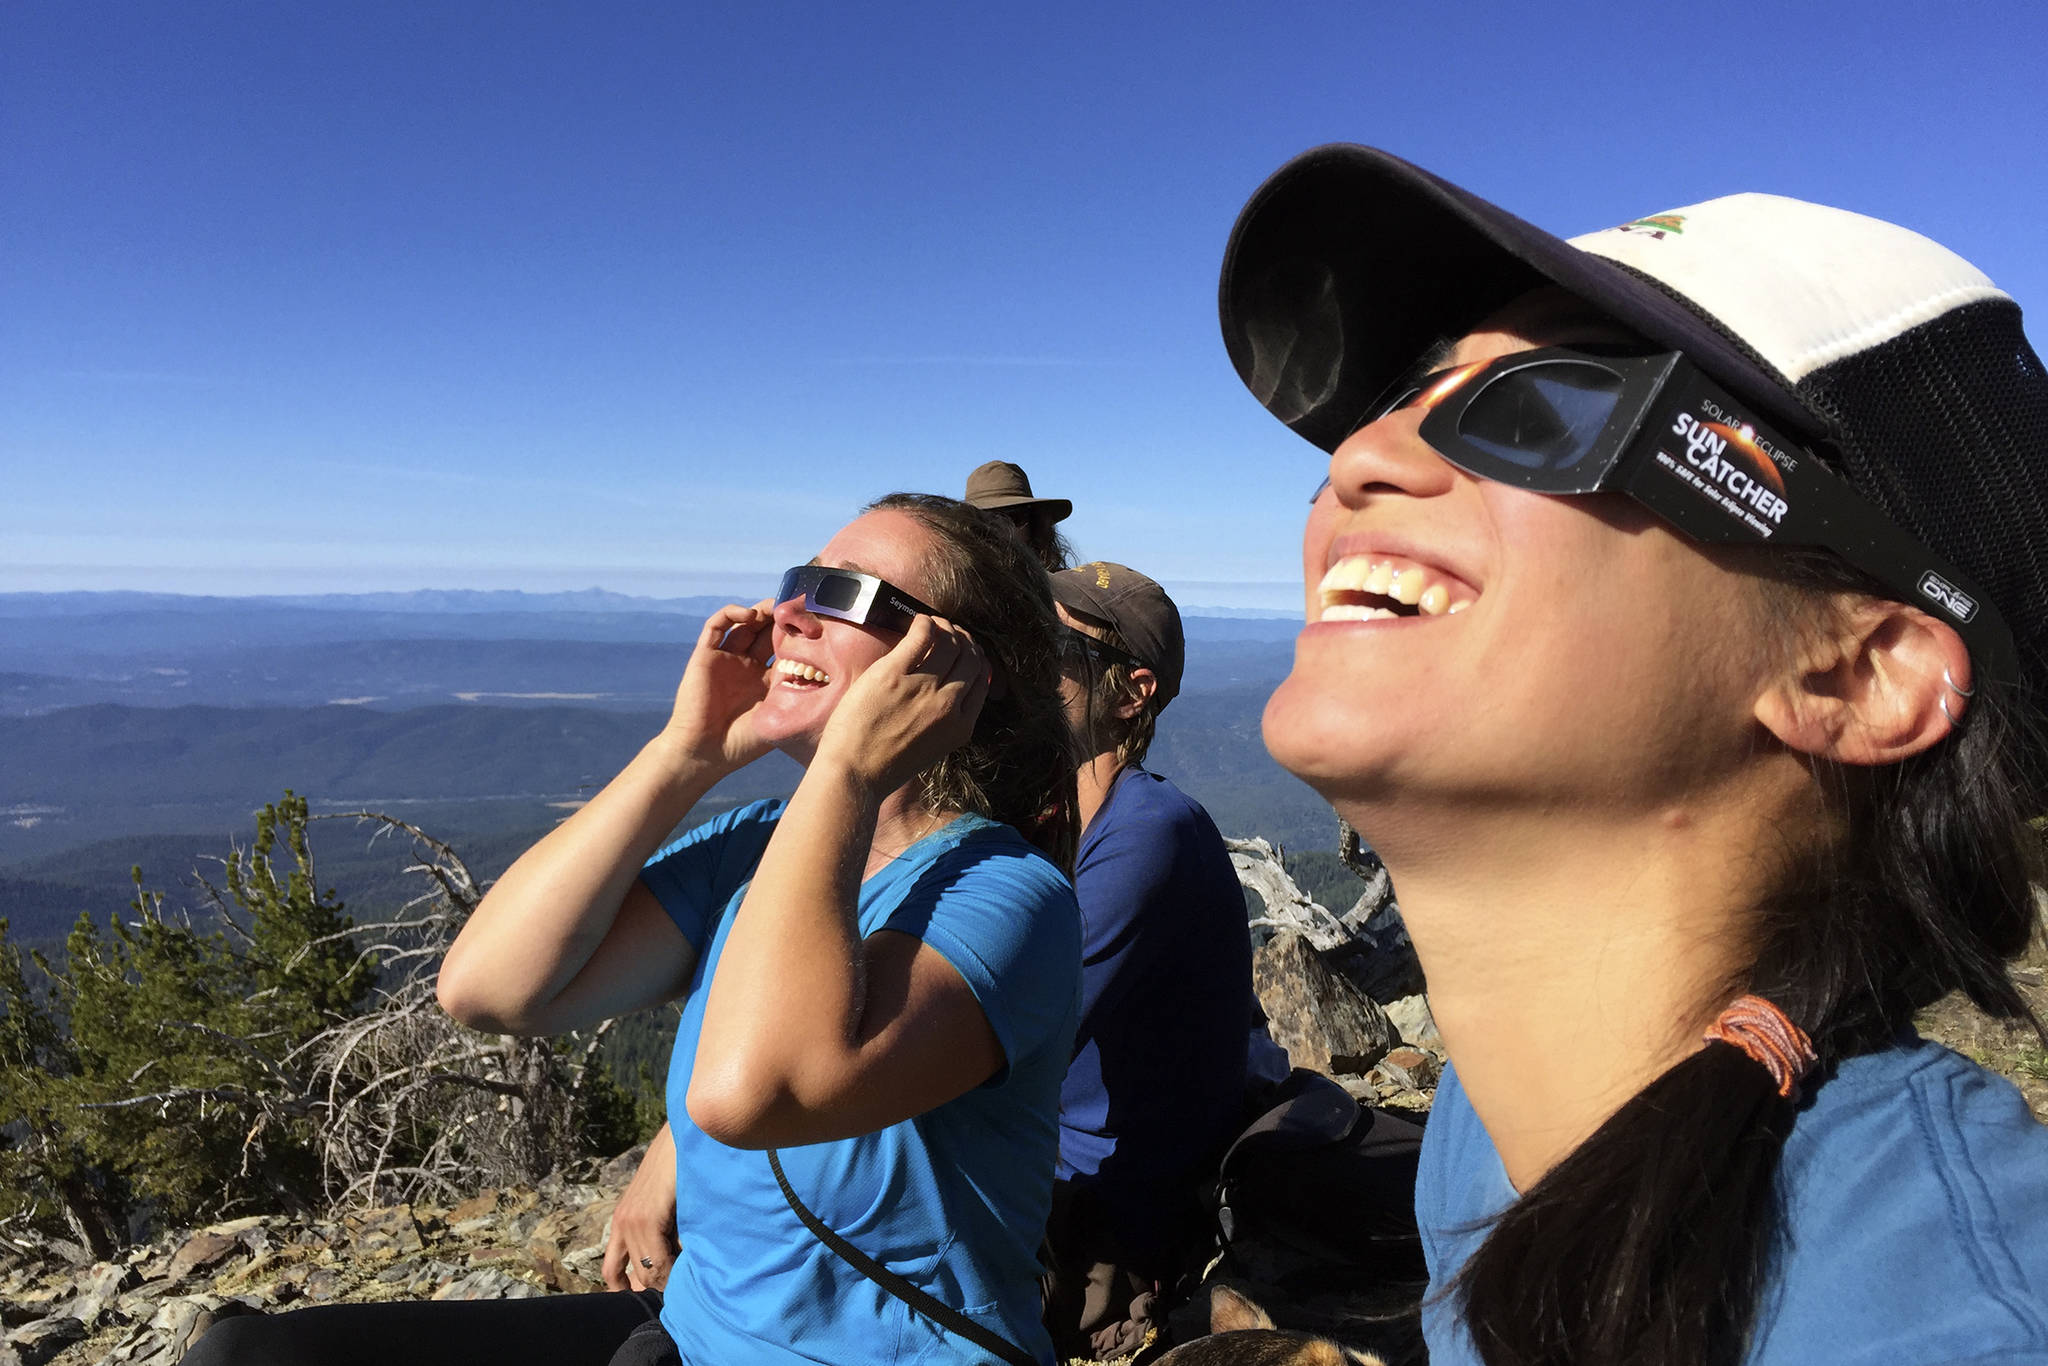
column 1657, row 225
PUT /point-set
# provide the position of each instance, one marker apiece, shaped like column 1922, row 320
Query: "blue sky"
column 351, row 296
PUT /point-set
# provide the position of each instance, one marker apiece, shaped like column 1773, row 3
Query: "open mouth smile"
column 1380, row 587
column 800, row 676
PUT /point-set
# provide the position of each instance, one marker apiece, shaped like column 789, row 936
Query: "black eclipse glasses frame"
column 852, row 596
column 1569, row 420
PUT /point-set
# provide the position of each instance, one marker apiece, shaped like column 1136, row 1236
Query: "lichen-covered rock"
column 1322, row 1020
column 489, row 1283
column 474, row 1210
column 98, row 1289
column 202, row 1252
column 38, row 1342
column 1410, row 1015
column 574, row 1230
column 617, row 1174
column 387, row 1233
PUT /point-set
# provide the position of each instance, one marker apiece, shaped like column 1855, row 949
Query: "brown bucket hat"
column 1000, row 484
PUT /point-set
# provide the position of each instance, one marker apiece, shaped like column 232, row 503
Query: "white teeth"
column 1410, row 587
column 1356, row 611
column 1345, row 576
column 793, row 669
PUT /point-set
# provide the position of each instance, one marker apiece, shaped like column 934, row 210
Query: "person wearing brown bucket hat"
column 1157, row 1081
column 1677, row 622
column 1003, row 488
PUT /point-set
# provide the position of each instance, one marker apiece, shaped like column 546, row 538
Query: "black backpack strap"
column 1305, row 1111
column 945, row 1316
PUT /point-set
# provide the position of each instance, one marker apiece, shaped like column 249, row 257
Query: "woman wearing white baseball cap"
column 1678, row 618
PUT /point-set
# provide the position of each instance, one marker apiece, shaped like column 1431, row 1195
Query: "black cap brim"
column 1349, row 263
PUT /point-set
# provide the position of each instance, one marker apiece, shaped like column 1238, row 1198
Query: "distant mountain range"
column 448, row 601
column 156, row 723
column 441, row 600
column 413, row 649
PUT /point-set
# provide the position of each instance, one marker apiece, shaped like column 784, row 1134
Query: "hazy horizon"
column 1193, row 597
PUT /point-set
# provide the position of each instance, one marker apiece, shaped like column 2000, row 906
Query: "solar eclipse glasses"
column 1565, row 420
column 849, row 595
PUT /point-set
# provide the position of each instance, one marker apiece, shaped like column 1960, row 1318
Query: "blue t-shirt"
column 1915, row 1197
column 1157, row 1081
column 954, row 1200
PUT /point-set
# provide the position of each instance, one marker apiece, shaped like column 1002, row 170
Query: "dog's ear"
column 1230, row 1312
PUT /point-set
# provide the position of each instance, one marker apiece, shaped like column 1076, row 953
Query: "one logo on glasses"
column 1748, row 476
column 1952, row 599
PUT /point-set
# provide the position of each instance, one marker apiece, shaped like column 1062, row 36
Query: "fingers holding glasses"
column 738, row 630
column 952, row 655
column 726, row 676
column 916, row 704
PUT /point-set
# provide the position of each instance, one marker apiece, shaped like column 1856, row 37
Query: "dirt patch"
column 2012, row 1051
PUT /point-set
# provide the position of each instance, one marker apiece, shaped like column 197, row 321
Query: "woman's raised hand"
column 911, row 707
column 726, row 677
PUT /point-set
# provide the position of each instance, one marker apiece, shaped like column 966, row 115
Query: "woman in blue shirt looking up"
column 879, row 976
column 1677, row 624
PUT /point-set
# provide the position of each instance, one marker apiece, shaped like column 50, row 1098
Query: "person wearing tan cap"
column 1004, row 489
column 1158, row 1078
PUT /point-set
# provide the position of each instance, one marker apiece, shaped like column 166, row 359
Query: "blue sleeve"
column 695, row 877
column 1005, row 919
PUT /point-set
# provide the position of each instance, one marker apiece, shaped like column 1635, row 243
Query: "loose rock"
column 1322, row 1020
column 201, row 1252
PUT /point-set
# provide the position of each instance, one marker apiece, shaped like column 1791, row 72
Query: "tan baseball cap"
column 1137, row 608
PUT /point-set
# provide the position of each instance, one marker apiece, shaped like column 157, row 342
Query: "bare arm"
column 569, row 935
column 811, row 1033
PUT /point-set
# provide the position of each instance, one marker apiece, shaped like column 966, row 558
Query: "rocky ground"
column 147, row 1307
column 59, row 1309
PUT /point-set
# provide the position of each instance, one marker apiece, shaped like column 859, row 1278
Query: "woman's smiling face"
column 1545, row 649
column 818, row 658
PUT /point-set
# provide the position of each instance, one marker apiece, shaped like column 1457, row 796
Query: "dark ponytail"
column 1653, row 1240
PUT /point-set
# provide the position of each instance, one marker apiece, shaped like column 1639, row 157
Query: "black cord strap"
column 944, row 1315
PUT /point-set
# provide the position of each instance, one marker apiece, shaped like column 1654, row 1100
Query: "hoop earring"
column 1965, row 693
column 1953, row 722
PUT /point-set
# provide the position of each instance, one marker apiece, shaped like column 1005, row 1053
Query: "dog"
column 1242, row 1334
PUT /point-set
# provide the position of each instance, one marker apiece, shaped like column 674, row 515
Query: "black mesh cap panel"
column 1945, row 427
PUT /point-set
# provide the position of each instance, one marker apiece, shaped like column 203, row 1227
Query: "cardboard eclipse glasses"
column 1569, row 420
column 849, row 595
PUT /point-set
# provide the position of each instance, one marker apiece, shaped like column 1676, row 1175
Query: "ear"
column 1143, row 684
column 1230, row 1312
column 1888, row 682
